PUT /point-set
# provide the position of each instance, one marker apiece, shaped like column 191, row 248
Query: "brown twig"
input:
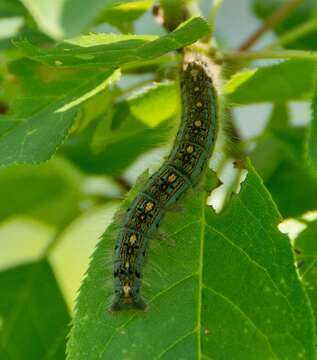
column 278, row 16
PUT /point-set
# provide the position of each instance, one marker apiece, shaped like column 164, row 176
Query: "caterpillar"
column 191, row 151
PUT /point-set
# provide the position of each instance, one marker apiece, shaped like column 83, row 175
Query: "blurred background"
column 80, row 204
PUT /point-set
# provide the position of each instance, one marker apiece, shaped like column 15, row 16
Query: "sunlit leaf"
column 45, row 111
column 133, row 126
column 226, row 289
column 113, row 50
column 64, row 18
column 49, row 192
column 289, row 80
column 123, row 15
column 70, row 266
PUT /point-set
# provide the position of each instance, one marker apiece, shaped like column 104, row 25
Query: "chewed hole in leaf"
column 310, row 215
column 291, row 227
column 231, row 177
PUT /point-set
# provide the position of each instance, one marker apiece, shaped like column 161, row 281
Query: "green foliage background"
column 84, row 99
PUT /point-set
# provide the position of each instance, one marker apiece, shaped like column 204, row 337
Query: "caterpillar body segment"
column 183, row 168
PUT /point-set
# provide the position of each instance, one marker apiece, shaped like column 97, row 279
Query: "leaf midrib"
column 200, row 273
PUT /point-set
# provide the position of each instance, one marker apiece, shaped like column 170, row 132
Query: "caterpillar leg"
column 122, row 302
column 176, row 208
column 159, row 235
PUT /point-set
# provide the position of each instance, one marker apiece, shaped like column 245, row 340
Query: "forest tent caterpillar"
column 191, row 151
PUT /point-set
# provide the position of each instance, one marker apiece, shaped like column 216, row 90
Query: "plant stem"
column 269, row 54
column 277, row 17
column 295, row 34
column 214, row 13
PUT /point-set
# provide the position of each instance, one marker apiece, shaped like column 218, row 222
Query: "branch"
column 278, row 16
column 294, row 34
column 216, row 5
column 269, row 54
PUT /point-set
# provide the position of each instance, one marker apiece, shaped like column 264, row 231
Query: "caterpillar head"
column 127, row 297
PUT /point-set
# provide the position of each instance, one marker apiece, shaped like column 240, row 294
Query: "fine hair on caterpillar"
column 225, row 137
column 181, row 171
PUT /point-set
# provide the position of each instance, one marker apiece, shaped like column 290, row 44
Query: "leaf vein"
column 176, row 342
column 249, row 320
column 135, row 314
column 255, row 263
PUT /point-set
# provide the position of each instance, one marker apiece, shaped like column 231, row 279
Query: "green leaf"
column 113, row 50
column 11, row 8
column 289, row 80
column 312, row 134
column 222, row 287
column 150, row 106
column 307, row 245
column 34, row 316
column 123, row 15
column 293, row 188
column 134, row 126
column 15, row 22
column 155, row 103
column 268, row 153
column 49, row 192
column 46, row 110
column 303, row 13
column 64, row 18
column 265, row 8
column 23, row 240
column 83, row 234
column 175, row 11
column 101, row 161
column 280, row 159
column 279, row 119
column 284, row 185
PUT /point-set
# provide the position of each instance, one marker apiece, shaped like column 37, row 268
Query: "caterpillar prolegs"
column 191, row 151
